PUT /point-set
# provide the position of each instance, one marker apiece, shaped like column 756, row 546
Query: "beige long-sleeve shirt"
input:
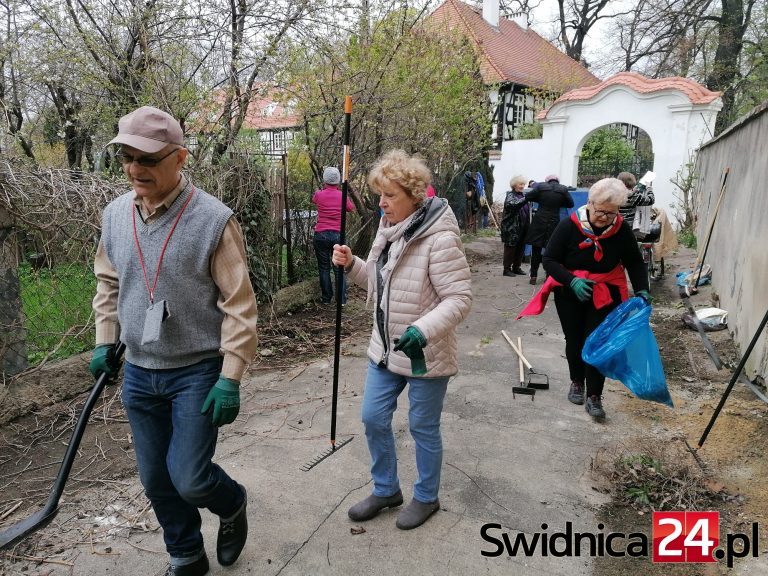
column 229, row 271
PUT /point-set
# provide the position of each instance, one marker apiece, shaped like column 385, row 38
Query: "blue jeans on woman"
column 425, row 396
column 174, row 445
column 323, row 243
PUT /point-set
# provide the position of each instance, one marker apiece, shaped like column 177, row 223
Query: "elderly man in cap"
column 173, row 285
column 328, row 230
column 550, row 196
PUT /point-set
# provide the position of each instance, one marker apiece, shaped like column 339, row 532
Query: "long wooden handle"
column 520, row 359
column 518, row 352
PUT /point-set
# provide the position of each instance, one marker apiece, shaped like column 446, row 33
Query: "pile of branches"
column 55, row 214
column 656, row 475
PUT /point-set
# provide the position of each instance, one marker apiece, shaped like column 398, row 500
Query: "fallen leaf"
column 355, row 530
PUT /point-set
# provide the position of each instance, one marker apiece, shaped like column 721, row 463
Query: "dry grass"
column 654, row 474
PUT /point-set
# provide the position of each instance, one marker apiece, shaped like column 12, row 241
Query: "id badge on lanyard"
column 158, row 312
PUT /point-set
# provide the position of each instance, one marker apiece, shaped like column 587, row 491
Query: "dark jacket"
column 551, row 196
column 563, row 255
column 514, row 219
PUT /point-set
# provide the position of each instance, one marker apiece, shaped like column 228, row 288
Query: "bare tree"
column 10, row 101
column 577, row 17
column 732, row 25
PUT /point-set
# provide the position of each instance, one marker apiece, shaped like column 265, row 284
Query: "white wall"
column 676, row 127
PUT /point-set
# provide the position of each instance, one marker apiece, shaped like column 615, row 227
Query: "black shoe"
column 371, row 506
column 532, row 280
column 594, row 407
column 508, row 273
column 198, row 568
column 519, row 271
column 576, row 393
column 233, row 533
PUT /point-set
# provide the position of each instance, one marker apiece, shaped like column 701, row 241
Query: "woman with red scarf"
column 586, row 258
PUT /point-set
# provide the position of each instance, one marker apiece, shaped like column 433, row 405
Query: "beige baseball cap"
column 148, row 129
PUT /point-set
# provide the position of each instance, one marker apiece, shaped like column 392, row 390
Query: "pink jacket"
column 430, row 288
column 328, row 201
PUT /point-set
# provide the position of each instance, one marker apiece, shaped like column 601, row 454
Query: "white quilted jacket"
column 430, row 288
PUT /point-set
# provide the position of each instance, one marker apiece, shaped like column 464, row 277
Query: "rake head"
column 325, row 454
column 537, row 381
column 523, row 390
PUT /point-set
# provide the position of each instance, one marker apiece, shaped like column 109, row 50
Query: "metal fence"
column 593, row 170
column 49, row 229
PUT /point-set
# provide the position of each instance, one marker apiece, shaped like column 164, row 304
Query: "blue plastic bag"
column 624, row 348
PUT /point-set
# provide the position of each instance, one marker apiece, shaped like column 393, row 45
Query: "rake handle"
column 518, row 352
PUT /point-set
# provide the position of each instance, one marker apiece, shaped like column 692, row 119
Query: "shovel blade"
column 25, row 527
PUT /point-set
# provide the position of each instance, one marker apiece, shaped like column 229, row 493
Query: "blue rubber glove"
column 645, row 295
column 224, row 397
column 103, row 360
column 412, row 343
column 582, row 288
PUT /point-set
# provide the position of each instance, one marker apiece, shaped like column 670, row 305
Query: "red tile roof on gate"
column 695, row 92
column 511, row 53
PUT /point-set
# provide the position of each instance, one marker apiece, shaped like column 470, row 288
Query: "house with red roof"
column 522, row 70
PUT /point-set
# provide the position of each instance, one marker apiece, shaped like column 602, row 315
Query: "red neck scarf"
column 579, row 218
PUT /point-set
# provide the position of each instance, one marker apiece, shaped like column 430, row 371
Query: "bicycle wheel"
column 659, row 269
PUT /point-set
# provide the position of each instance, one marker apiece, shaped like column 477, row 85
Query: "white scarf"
column 393, row 233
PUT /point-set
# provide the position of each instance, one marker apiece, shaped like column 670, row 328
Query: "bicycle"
column 654, row 267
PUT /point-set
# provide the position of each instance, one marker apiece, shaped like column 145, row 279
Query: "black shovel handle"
column 46, row 514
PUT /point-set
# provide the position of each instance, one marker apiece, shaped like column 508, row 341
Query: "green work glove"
column 582, row 288
column 103, row 360
column 645, row 295
column 225, row 399
column 411, row 343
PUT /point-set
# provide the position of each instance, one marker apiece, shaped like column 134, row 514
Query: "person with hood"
column 328, row 230
column 550, row 196
column 419, row 280
column 472, row 203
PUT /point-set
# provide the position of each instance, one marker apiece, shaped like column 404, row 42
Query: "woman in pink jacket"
column 420, row 281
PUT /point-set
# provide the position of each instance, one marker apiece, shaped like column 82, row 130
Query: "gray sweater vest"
column 193, row 331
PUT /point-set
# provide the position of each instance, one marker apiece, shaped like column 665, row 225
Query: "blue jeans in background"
column 323, row 243
column 425, row 396
column 174, row 445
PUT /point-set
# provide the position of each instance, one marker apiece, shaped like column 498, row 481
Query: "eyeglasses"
column 604, row 213
column 146, row 161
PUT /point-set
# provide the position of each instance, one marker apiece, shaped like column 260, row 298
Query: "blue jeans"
column 174, row 445
column 426, row 396
column 323, row 243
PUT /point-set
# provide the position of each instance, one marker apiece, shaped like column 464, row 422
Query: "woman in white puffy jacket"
column 419, row 280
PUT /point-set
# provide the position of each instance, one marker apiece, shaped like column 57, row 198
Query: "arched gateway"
column 678, row 115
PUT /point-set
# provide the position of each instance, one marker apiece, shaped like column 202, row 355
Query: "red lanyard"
column 162, row 253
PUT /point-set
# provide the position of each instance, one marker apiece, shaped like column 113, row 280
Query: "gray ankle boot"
column 416, row 513
column 369, row 507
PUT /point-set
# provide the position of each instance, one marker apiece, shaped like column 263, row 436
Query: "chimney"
column 491, row 12
column 520, row 18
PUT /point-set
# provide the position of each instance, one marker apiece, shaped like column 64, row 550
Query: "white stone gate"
column 677, row 113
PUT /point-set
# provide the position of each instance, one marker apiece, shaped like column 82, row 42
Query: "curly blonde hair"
column 519, row 179
column 408, row 171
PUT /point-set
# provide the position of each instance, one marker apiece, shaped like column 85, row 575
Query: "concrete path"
column 516, row 463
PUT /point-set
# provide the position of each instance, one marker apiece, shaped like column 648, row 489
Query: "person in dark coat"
column 588, row 259
column 514, row 227
column 473, row 203
column 550, row 196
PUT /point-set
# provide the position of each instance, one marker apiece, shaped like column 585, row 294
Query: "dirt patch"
column 730, row 465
